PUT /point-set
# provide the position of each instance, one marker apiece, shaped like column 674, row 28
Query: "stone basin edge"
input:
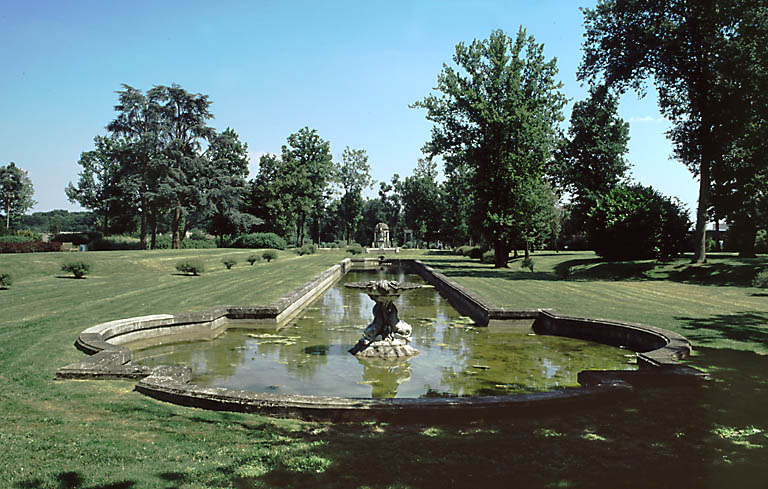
column 658, row 353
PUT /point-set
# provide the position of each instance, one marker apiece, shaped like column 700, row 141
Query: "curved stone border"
column 658, row 352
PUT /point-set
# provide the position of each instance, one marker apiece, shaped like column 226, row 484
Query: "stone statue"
column 387, row 336
column 381, row 236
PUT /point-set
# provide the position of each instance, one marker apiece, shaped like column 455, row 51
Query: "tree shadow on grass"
column 71, row 277
column 747, row 327
column 72, row 480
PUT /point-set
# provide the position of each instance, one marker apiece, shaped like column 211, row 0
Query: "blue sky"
column 347, row 69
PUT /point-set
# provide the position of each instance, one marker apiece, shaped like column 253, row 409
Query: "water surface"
column 310, row 356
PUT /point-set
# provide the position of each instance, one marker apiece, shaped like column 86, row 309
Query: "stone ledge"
column 658, row 352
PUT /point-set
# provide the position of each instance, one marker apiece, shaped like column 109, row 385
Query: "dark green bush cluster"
column 269, row 255
column 761, row 280
column 13, row 238
column 636, row 222
column 488, row 257
column 29, row 247
column 116, row 242
column 307, row 249
column 165, row 243
column 229, row 262
column 190, row 267
column 6, row 280
column 253, row 259
column 78, row 268
column 260, row 240
column 463, row 250
column 355, row 249
column 476, row 252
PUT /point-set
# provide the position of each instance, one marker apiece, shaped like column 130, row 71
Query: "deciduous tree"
column 16, row 192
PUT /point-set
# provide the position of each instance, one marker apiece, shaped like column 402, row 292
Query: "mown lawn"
column 102, row 434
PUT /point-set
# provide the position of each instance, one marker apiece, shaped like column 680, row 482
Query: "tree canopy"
column 16, row 191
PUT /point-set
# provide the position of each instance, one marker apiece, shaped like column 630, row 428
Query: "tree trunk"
column 175, row 241
column 8, row 214
column 500, row 254
column 700, row 244
column 153, row 231
column 527, row 250
column 745, row 231
column 143, row 224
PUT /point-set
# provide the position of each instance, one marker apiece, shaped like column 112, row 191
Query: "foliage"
column 165, row 242
column 488, row 257
column 355, row 249
column 761, row 280
column 688, row 50
column 307, row 249
column 116, row 242
column 761, row 241
column 59, row 220
column 528, row 263
column 13, row 238
column 422, row 200
column 354, row 176
column 476, row 252
column 253, row 259
column 498, row 115
column 269, row 255
column 6, row 279
column 78, row 268
column 229, row 262
column 16, row 192
column 463, row 250
column 636, row 222
column 260, row 240
column 29, row 247
column 190, row 267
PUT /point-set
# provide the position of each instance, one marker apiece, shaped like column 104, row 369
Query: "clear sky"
column 346, row 68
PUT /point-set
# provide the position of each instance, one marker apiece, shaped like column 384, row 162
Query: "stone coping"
column 658, row 352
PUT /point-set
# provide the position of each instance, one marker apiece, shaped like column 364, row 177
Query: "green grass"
column 103, row 435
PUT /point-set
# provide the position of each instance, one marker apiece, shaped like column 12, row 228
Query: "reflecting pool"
column 309, row 356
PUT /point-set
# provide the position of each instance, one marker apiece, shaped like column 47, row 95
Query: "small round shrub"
column 269, row 255
column 78, row 268
column 253, row 259
column 761, row 280
column 527, row 263
column 190, row 267
column 6, row 280
column 476, row 252
column 488, row 257
column 355, row 249
column 229, row 262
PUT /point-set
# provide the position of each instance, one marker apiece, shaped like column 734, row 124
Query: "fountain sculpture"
column 387, row 336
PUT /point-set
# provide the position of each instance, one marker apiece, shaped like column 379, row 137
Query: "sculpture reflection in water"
column 387, row 336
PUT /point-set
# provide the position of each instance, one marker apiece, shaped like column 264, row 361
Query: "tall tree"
column 423, row 202
column 309, row 167
column 593, row 161
column 499, row 112
column 99, row 187
column 16, row 192
column 354, row 176
column 681, row 45
column 270, row 198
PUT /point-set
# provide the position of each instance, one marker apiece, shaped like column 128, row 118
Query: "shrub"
column 260, row 240
column 12, row 238
column 355, row 249
column 116, row 242
column 306, row 250
column 488, row 257
column 253, row 259
column 269, row 255
column 761, row 241
column 6, row 280
column 229, row 262
column 463, row 250
column 76, row 239
column 78, row 268
column 761, row 280
column 527, row 263
column 636, row 222
column 29, row 247
column 476, row 252
column 190, row 267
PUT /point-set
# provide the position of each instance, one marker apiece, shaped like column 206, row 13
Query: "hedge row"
column 29, row 247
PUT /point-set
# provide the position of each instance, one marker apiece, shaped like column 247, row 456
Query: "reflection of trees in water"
column 385, row 376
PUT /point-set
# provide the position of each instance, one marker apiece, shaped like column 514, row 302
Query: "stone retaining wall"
column 658, row 353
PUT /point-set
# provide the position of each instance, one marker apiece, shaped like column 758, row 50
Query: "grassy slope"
column 60, row 434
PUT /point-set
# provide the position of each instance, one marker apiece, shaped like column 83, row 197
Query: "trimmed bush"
column 260, row 240
column 29, row 247
column 229, row 262
column 488, row 257
column 12, row 238
column 6, row 280
column 116, row 242
column 269, row 255
column 476, row 252
column 190, row 267
column 253, row 259
column 306, row 250
column 527, row 263
column 463, row 250
column 761, row 280
column 76, row 239
column 78, row 268
column 164, row 243
column 355, row 249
